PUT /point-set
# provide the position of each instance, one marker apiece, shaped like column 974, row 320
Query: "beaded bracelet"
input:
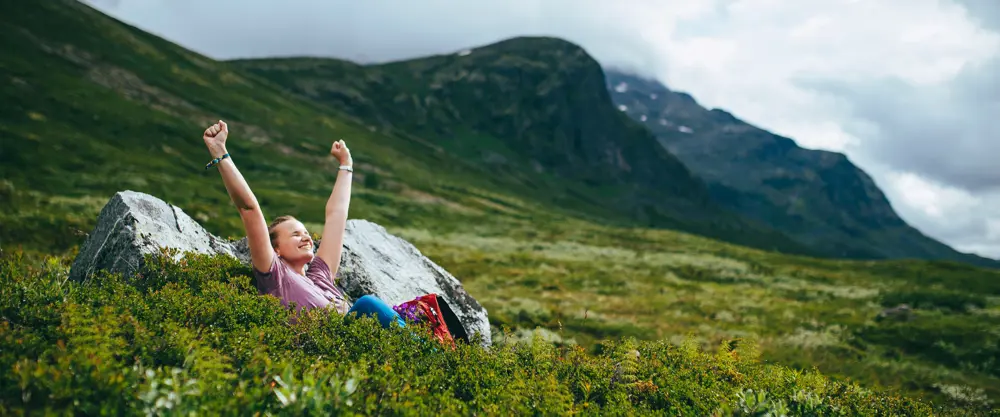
column 216, row 160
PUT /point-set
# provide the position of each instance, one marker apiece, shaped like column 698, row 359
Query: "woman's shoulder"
column 319, row 270
column 318, row 265
column 276, row 267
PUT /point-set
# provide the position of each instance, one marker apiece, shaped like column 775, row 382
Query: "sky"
column 908, row 89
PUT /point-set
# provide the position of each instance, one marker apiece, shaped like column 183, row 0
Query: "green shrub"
column 941, row 299
column 969, row 344
column 194, row 337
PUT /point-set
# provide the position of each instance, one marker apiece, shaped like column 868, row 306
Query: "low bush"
column 963, row 343
column 193, row 336
column 936, row 299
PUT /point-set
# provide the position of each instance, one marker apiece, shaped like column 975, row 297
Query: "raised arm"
column 331, row 248
column 261, row 253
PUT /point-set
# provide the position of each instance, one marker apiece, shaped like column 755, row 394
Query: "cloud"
column 948, row 213
column 773, row 44
column 375, row 32
column 904, row 87
column 986, row 12
column 947, row 132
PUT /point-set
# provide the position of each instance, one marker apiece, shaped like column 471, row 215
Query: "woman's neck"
column 299, row 267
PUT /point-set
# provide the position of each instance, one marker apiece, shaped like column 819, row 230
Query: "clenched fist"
column 340, row 151
column 215, row 138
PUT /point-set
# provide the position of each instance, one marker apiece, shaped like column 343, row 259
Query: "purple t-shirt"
column 315, row 289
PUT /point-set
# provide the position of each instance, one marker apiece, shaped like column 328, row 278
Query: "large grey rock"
column 132, row 225
column 375, row 262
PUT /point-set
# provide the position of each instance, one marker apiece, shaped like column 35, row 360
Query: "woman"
column 284, row 249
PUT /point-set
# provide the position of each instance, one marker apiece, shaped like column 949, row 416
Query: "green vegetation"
column 555, row 261
column 585, row 284
column 193, row 337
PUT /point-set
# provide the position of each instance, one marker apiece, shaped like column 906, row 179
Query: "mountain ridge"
column 524, row 103
column 655, row 189
column 818, row 197
column 426, row 93
column 148, row 85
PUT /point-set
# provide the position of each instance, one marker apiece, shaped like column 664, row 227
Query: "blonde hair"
column 274, row 223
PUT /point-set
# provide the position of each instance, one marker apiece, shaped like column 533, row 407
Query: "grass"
column 194, row 337
column 80, row 121
column 589, row 284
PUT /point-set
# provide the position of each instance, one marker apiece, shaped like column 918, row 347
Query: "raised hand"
column 337, row 206
column 340, row 151
column 215, row 138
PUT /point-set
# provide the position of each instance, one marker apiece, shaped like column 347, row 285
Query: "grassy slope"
column 93, row 120
column 194, row 338
column 591, row 283
column 69, row 142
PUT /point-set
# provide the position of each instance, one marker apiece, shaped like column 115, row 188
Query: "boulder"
column 376, row 262
column 132, row 225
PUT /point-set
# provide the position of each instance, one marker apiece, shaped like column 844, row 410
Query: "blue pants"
column 371, row 305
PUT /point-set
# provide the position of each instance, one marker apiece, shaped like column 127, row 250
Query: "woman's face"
column 294, row 242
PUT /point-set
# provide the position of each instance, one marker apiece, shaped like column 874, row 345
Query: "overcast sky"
column 908, row 89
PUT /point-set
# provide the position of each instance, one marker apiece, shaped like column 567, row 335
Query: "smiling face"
column 291, row 240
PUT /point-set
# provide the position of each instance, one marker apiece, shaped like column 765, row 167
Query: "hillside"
column 195, row 339
column 90, row 106
column 107, row 107
column 626, row 181
column 817, row 197
column 527, row 105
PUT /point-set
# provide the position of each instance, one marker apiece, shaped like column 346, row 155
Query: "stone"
column 132, row 225
column 377, row 262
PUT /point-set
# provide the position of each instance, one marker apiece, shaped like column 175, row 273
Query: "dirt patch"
column 134, row 88
column 495, row 206
column 19, row 82
column 230, row 78
column 255, row 134
column 66, row 51
column 426, row 198
column 310, row 146
column 125, row 82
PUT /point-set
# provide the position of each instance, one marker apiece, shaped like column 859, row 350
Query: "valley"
column 513, row 169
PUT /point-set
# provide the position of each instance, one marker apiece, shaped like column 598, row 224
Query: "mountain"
column 818, row 197
column 90, row 106
column 523, row 127
column 532, row 105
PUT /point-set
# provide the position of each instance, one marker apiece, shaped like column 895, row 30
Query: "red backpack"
column 427, row 311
